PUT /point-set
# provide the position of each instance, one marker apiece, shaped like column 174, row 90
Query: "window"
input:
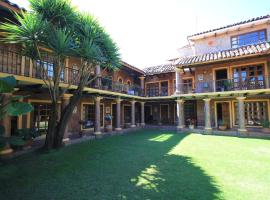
column 248, row 77
column 255, row 113
column 89, row 115
column 47, row 66
column 164, row 88
column 152, row 89
column 187, row 85
column 107, row 82
column 248, row 38
column 41, row 116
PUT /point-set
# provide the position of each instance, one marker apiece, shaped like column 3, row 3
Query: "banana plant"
column 11, row 107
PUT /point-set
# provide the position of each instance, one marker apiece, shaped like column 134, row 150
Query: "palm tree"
column 56, row 28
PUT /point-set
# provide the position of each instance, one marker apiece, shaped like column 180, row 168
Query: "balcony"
column 15, row 64
column 158, row 92
column 253, row 83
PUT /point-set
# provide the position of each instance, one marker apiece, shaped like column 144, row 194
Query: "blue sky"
column 149, row 32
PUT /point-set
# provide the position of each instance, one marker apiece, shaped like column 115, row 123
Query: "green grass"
column 144, row 165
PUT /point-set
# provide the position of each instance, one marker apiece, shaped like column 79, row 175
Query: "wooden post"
column 31, row 68
column 23, row 65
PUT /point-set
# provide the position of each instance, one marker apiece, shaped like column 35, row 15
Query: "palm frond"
column 58, row 12
column 30, row 32
column 60, row 42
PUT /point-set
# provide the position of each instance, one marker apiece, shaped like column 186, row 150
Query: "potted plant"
column 228, row 85
column 265, row 125
column 108, row 119
column 222, row 125
column 191, row 123
column 27, row 136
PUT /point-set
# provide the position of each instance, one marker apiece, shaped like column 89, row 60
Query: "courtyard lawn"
column 148, row 164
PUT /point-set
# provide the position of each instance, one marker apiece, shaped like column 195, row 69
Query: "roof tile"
column 232, row 25
column 226, row 54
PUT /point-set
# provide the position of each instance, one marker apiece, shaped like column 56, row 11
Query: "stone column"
column 241, row 114
column 142, row 84
column 6, row 122
column 97, row 116
column 118, row 115
column 64, row 103
column 180, row 114
column 133, row 124
column 98, row 79
column 178, row 81
column 207, row 118
column 142, row 114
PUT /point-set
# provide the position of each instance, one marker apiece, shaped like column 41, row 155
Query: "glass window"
column 41, row 116
column 249, row 77
column 152, row 89
column 248, row 38
column 47, row 66
column 164, row 88
column 89, row 115
column 187, row 85
column 255, row 113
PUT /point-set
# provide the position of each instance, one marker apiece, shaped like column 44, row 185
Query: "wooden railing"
column 236, row 84
column 14, row 63
column 157, row 92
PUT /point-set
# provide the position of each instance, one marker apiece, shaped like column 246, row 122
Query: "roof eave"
column 228, row 29
column 133, row 68
column 222, row 60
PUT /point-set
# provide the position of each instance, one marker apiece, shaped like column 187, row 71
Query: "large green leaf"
column 7, row 84
column 16, row 97
column 19, row 108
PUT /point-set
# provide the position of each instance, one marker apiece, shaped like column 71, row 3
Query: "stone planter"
column 191, row 126
column 222, row 127
column 127, row 125
column 108, row 128
column 266, row 130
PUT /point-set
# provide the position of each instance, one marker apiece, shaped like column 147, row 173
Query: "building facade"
column 221, row 78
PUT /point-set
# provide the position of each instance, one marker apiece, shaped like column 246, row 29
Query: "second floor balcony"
column 14, row 63
column 236, row 84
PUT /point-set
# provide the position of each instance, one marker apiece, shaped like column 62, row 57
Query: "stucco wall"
column 223, row 41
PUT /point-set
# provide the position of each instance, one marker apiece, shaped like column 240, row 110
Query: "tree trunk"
column 65, row 116
column 51, row 127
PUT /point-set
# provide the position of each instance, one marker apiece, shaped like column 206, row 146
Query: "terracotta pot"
column 108, row 128
column 222, row 127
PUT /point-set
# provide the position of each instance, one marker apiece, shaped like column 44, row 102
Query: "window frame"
column 236, row 36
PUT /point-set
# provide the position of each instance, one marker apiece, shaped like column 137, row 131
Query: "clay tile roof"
column 132, row 67
column 165, row 68
column 13, row 5
column 232, row 25
column 254, row 49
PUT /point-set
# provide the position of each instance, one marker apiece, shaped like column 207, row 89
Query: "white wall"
column 223, row 41
column 186, row 51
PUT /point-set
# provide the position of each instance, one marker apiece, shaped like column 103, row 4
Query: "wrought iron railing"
column 236, row 84
column 157, row 92
column 14, row 63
